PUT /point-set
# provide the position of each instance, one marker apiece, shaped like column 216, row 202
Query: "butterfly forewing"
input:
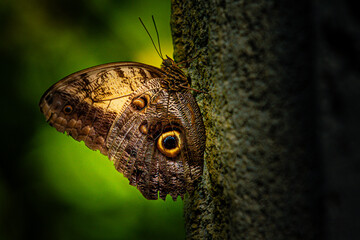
column 89, row 93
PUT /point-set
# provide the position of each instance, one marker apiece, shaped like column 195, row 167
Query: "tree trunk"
column 255, row 60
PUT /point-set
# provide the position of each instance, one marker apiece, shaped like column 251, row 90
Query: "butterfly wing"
column 122, row 110
column 76, row 103
column 159, row 147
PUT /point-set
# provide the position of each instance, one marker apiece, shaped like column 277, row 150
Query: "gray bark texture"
column 276, row 136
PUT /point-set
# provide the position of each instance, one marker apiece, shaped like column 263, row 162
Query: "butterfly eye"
column 169, row 143
column 68, row 109
column 167, row 62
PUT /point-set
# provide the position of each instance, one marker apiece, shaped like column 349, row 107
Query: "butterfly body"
column 143, row 118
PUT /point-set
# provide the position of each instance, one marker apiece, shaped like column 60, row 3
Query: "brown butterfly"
column 145, row 119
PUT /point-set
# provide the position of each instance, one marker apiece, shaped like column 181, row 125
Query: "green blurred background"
column 52, row 187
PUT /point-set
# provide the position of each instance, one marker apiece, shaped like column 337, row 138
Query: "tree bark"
column 254, row 59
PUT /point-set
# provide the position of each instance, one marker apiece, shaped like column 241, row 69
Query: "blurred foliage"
column 52, row 187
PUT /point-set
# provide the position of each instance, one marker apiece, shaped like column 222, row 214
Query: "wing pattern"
column 155, row 136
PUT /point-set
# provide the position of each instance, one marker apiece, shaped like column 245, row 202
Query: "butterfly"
column 144, row 118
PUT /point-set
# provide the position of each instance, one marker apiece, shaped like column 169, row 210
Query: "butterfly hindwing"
column 133, row 142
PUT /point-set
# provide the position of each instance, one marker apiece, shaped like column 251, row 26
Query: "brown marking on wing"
column 143, row 74
column 119, row 72
column 191, row 113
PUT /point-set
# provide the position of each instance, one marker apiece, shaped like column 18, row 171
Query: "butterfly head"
column 168, row 62
column 175, row 79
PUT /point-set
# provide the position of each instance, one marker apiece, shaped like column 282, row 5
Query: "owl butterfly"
column 145, row 119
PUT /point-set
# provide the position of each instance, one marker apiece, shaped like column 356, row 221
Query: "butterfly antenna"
column 157, row 34
column 151, row 39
